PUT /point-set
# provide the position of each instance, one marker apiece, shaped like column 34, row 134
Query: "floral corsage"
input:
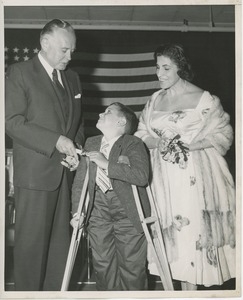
column 173, row 150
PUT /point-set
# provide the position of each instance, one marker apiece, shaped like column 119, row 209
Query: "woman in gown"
column 188, row 133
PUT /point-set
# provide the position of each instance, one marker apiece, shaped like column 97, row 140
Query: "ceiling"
column 140, row 17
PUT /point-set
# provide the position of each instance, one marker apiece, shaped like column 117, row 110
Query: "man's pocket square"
column 78, row 96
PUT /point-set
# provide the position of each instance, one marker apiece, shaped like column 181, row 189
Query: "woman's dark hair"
column 55, row 23
column 130, row 116
column 176, row 53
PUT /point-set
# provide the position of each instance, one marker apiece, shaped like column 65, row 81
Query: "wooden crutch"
column 77, row 232
column 155, row 242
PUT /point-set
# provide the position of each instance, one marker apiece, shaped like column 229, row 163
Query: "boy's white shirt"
column 110, row 143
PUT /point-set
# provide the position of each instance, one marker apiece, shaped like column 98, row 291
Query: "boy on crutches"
column 117, row 160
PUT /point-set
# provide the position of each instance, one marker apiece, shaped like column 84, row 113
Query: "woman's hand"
column 200, row 145
column 163, row 144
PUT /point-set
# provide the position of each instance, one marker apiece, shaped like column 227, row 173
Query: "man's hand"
column 66, row 146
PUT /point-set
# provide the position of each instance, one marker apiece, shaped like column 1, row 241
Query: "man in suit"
column 43, row 117
column 116, row 161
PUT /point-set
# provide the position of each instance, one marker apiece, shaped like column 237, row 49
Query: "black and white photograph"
column 121, row 129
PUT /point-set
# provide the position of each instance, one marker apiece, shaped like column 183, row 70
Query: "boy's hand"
column 70, row 162
column 77, row 220
column 98, row 158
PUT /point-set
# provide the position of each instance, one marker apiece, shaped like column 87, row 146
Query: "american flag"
column 126, row 78
column 13, row 55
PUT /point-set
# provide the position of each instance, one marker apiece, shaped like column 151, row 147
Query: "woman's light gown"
column 178, row 195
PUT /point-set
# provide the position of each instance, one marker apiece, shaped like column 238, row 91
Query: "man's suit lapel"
column 47, row 83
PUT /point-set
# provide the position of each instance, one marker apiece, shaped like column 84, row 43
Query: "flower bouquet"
column 173, row 150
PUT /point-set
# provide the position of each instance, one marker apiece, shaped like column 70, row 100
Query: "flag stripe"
column 94, row 116
column 101, row 108
column 119, row 87
column 109, row 57
column 113, row 64
column 117, row 79
column 114, row 72
column 118, row 94
column 107, row 101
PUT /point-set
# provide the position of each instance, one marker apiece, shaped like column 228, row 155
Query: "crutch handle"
column 150, row 220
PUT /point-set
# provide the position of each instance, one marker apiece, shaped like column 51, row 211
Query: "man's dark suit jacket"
column 34, row 120
column 121, row 175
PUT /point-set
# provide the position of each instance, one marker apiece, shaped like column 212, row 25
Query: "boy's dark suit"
column 122, row 176
column 35, row 121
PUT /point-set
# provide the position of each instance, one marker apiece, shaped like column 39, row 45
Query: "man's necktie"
column 61, row 92
column 102, row 179
column 57, row 82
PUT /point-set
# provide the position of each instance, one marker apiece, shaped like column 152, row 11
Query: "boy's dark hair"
column 176, row 53
column 130, row 116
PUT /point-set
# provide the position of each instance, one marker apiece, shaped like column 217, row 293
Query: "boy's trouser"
column 119, row 252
